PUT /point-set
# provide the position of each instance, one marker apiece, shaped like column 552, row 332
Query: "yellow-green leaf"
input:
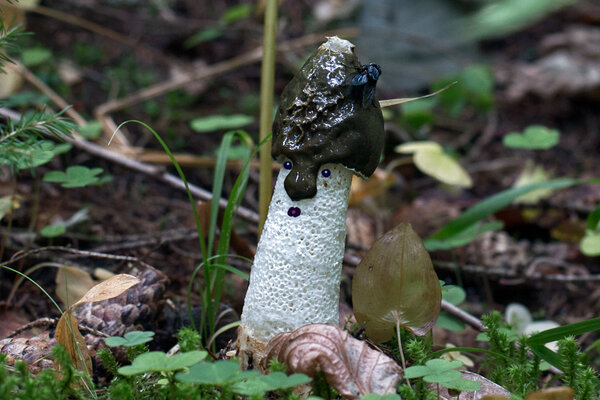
column 431, row 159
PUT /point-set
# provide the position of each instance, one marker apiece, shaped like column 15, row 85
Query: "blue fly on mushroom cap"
column 328, row 114
column 364, row 82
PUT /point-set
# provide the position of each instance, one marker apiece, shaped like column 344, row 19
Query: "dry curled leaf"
column 112, row 287
column 349, row 365
column 67, row 330
column 72, row 283
column 68, row 335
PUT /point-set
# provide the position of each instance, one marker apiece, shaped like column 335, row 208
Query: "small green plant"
column 443, row 373
column 454, row 295
column 590, row 244
column 534, row 137
column 19, row 384
column 130, row 339
column 75, row 176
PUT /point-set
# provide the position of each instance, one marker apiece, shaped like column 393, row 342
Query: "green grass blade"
column 494, row 203
column 561, row 332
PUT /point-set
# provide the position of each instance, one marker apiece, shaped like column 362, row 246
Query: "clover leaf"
column 215, row 373
column 261, row 384
column 130, row 339
column 75, row 176
column 442, row 372
column 534, row 137
column 157, row 361
column 55, row 230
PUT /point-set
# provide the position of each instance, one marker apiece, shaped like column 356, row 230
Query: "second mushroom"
column 328, row 127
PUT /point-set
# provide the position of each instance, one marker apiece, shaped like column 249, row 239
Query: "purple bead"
column 294, row 212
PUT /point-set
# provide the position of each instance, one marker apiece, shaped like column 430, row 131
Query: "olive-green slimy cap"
column 319, row 121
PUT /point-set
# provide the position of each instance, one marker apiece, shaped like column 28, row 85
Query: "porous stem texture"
column 296, row 274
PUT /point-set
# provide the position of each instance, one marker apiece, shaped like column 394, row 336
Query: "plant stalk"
column 267, row 83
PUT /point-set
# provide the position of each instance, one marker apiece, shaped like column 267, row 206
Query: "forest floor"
column 100, row 53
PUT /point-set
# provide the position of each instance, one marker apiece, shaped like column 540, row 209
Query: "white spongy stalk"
column 296, row 275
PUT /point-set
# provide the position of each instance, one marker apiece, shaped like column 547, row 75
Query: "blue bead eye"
column 287, row 165
column 326, row 173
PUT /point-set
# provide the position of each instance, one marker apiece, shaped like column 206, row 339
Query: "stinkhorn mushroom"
column 328, row 127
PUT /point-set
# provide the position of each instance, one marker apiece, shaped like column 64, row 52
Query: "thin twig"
column 208, row 72
column 101, row 30
column 51, row 322
column 79, row 253
column 464, row 316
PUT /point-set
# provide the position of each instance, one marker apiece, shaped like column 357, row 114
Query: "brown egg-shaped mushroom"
column 395, row 281
column 320, row 121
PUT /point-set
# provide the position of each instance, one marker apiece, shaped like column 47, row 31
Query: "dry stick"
column 48, row 322
column 101, row 30
column 208, row 72
column 81, row 253
column 119, row 159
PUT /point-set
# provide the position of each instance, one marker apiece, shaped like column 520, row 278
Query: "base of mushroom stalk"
column 250, row 351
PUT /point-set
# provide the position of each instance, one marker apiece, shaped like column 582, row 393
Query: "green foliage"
column 219, row 122
column 51, row 231
column 374, row 396
column 535, row 137
column 91, row 130
column 7, row 39
column 189, row 339
column 130, row 339
column 442, row 372
column 454, row 295
column 475, row 89
column 505, row 16
column 19, row 384
column 232, row 14
column 489, row 206
column 35, row 56
column 576, row 374
column 590, row 243
column 21, row 142
column 157, row 361
column 75, row 176
column 464, row 236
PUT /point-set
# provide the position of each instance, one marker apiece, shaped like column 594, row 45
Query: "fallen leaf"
column 349, row 365
column 431, row 159
column 72, row 283
column 112, row 287
column 68, row 335
column 376, row 184
column 533, row 174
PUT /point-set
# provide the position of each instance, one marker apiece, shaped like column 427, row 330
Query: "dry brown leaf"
column 72, row 283
column 349, row 365
column 112, row 287
column 377, row 183
column 68, row 335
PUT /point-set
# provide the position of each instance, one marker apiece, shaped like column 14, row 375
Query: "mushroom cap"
column 320, row 121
